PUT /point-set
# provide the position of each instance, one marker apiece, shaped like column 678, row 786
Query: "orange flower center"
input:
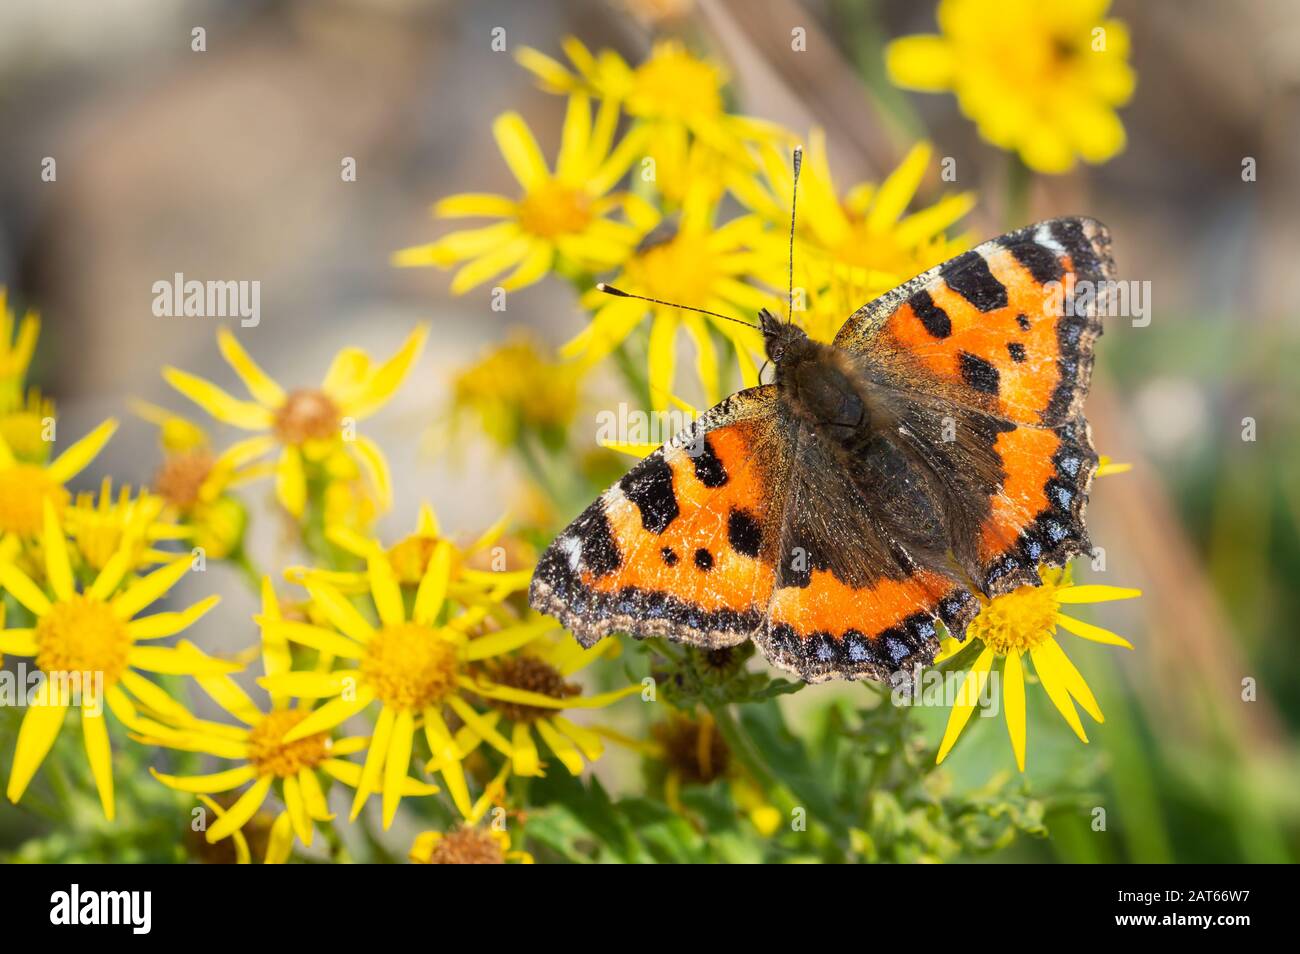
column 24, row 488
column 410, row 666
column 307, row 415
column 553, row 209
column 271, row 755
column 82, row 634
column 181, row 476
column 467, row 846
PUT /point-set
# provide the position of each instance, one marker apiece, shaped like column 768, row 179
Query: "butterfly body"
column 936, row 448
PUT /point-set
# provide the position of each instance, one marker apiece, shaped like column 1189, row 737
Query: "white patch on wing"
column 572, row 548
column 1043, row 236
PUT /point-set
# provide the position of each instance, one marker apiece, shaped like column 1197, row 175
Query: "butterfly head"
column 783, row 339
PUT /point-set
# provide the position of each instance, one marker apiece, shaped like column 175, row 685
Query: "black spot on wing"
column 1023, row 322
column 1017, row 351
column 744, row 533
column 650, row 486
column 708, row 467
column 1041, row 261
column 934, row 318
column 669, row 556
column 599, row 551
column 704, row 559
column 969, row 276
column 979, row 373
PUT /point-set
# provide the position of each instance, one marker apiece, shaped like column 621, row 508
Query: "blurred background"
column 225, row 164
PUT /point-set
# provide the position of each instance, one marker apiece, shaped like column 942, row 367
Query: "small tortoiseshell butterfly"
column 936, row 446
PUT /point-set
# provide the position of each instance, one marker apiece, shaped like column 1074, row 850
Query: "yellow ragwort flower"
column 696, row 263
column 25, row 486
column 194, row 481
column 515, row 390
column 674, row 96
column 310, row 425
column 561, row 221
column 26, row 424
column 467, row 845
column 413, row 665
column 91, row 648
column 1039, row 77
column 1025, row 621
column 268, row 759
column 531, row 687
column 100, row 526
column 852, row 247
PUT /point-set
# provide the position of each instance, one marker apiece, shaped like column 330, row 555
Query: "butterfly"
column 937, row 447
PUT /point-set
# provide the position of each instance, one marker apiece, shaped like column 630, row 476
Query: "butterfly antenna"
column 794, row 202
column 619, row 293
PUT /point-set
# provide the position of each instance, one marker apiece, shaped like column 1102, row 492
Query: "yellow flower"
column 25, row 426
column 414, row 665
column 194, row 482
column 514, row 390
column 311, row 425
column 530, row 688
column 277, row 834
column 1039, row 77
column 854, row 247
column 562, row 219
column 91, row 647
column 697, row 263
column 267, row 758
column 1025, row 621
column 100, row 527
column 674, row 96
column 410, row 557
column 16, row 350
column 467, row 845
column 24, row 487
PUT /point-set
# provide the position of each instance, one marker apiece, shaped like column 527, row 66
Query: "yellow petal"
column 208, row 784
column 339, row 611
column 20, row 642
column 586, row 740
column 480, row 726
column 388, row 377
column 376, row 467
column 1013, row 702
column 475, row 204
column 520, row 150
column 297, row 809
column 1095, row 593
column 291, row 482
column 505, row 640
column 260, row 385
column 1088, row 631
column 231, row 696
column 313, row 796
column 178, row 662
column 372, row 771
column 396, row 764
column 896, row 192
column 443, row 747
column 309, row 685
column 158, row 625
column 245, row 415
column 279, row 847
column 433, row 586
column 1074, row 682
column 315, row 637
column 562, row 746
column 100, row 756
column 662, row 359
column 20, row 586
column 335, row 712
column 385, row 590
column 922, row 62
column 58, row 571
column 525, row 759
column 1054, row 685
column 239, row 813
column 147, row 590
column 36, row 735
column 967, row 698
column 73, row 460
